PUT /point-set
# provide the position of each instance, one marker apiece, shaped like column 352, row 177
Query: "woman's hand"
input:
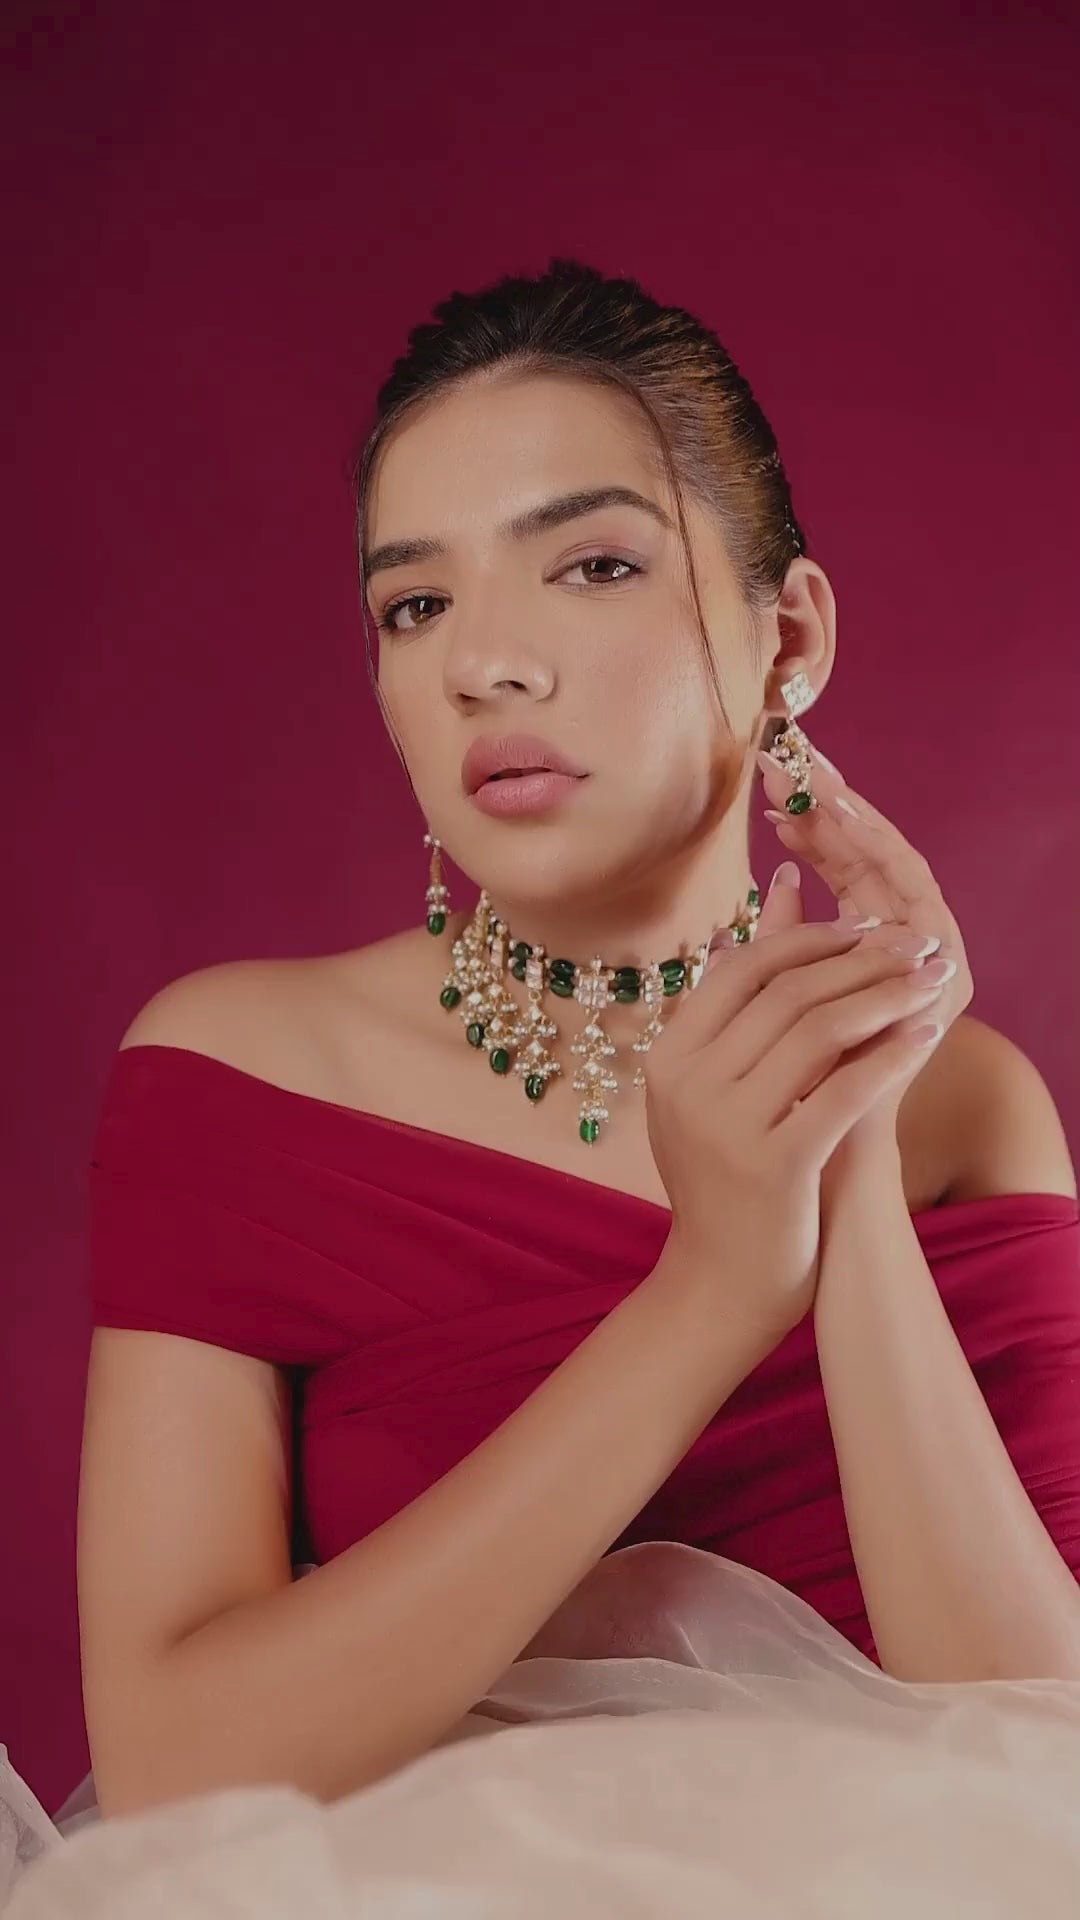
column 872, row 870
column 755, row 1079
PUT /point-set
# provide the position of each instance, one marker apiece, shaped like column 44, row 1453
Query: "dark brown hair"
column 573, row 320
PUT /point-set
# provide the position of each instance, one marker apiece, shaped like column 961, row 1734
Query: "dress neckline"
column 432, row 1135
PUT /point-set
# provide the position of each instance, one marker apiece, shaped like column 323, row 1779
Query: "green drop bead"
column 436, row 922
column 474, row 1034
column 450, row 996
column 797, row 802
column 589, row 1130
column 499, row 1059
column 534, row 1086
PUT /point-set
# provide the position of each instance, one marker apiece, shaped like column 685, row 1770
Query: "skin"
column 651, row 853
column 197, row 1603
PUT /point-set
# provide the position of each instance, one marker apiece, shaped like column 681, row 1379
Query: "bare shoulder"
column 282, row 1016
column 993, row 1116
column 190, row 1010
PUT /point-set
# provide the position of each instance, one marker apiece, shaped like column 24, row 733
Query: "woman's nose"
column 477, row 671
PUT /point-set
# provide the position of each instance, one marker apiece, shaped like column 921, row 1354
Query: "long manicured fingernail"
column 845, row 806
column 825, row 761
column 787, row 875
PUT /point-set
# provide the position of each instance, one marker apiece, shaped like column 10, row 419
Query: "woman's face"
column 583, row 633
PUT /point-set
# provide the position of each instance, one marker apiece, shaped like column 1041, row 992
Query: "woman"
column 557, row 1225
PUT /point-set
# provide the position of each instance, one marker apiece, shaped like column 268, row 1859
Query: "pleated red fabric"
column 417, row 1288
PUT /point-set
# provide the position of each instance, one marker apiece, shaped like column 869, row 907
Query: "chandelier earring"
column 790, row 749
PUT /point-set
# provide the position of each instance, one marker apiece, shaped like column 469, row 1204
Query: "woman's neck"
column 638, row 926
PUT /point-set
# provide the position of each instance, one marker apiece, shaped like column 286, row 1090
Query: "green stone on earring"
column 534, row 1086
column 436, row 922
column 474, row 1034
column 589, row 1130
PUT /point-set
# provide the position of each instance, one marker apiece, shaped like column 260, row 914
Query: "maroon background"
column 220, row 229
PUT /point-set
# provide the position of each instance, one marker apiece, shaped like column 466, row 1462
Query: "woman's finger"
column 783, row 904
column 865, row 861
column 868, row 864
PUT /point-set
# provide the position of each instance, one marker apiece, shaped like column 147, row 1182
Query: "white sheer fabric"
column 683, row 1737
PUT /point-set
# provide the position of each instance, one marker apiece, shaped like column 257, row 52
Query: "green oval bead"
column 673, row 985
column 450, row 996
column 474, row 1034
column 672, row 966
column 626, row 995
column 753, row 897
column 563, row 988
column 798, row 802
column 589, row 1130
column 564, row 969
column 436, row 922
column 534, row 1086
column 499, row 1060
column 517, row 968
column 520, row 950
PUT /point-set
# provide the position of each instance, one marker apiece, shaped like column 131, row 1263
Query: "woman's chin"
column 535, row 881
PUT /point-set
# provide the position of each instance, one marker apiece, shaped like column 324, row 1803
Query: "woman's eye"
column 604, row 560
column 387, row 620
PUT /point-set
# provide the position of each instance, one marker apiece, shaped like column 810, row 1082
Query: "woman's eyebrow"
column 539, row 519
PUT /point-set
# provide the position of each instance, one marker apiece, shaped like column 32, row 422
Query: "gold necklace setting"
column 518, row 1040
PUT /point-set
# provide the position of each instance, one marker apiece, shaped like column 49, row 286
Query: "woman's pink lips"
column 523, row 793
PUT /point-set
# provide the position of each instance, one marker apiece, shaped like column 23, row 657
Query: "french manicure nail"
column 927, row 1036
column 845, row 806
column 915, row 945
column 936, row 974
column 825, row 761
column 787, row 875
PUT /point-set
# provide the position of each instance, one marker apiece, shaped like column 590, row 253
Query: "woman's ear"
column 805, row 633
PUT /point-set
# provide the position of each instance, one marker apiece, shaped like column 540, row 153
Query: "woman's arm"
column 960, row 1578
column 333, row 1681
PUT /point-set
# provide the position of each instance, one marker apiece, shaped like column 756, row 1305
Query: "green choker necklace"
column 518, row 1039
